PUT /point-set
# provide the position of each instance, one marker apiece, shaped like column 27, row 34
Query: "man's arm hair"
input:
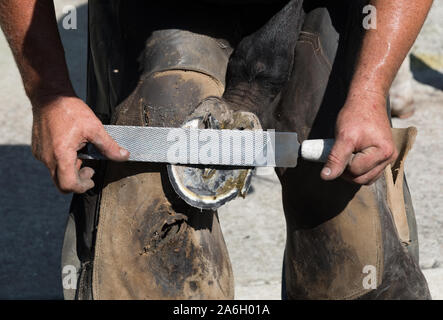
column 384, row 48
column 31, row 30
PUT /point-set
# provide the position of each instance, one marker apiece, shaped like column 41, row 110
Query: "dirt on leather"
column 256, row 251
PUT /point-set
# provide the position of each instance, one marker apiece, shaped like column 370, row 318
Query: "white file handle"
column 316, row 150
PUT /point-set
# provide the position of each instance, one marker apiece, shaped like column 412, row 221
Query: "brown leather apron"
column 133, row 238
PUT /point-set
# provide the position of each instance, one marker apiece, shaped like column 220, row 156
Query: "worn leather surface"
column 149, row 248
column 402, row 278
column 347, row 228
column 394, row 176
column 185, row 50
column 150, row 244
column 335, row 229
column 326, row 253
column 119, row 35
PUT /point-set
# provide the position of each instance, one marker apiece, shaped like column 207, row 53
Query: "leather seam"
column 314, row 40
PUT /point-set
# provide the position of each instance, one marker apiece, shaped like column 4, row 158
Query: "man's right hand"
column 63, row 126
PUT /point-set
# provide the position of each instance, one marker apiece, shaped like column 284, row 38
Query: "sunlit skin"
column 363, row 126
column 63, row 123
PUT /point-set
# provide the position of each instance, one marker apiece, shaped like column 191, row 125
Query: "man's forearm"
column 363, row 140
column 384, row 48
column 31, row 30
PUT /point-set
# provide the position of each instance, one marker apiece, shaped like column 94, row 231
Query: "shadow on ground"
column 32, row 212
column 425, row 74
column 32, row 220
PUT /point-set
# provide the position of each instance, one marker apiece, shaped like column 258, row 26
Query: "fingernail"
column 326, row 171
column 124, row 152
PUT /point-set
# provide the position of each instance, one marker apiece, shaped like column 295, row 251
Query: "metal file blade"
column 257, row 148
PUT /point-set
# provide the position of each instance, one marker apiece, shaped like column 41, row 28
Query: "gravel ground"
column 33, row 213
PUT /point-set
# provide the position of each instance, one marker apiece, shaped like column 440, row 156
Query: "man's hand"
column 362, row 125
column 63, row 126
column 362, row 129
